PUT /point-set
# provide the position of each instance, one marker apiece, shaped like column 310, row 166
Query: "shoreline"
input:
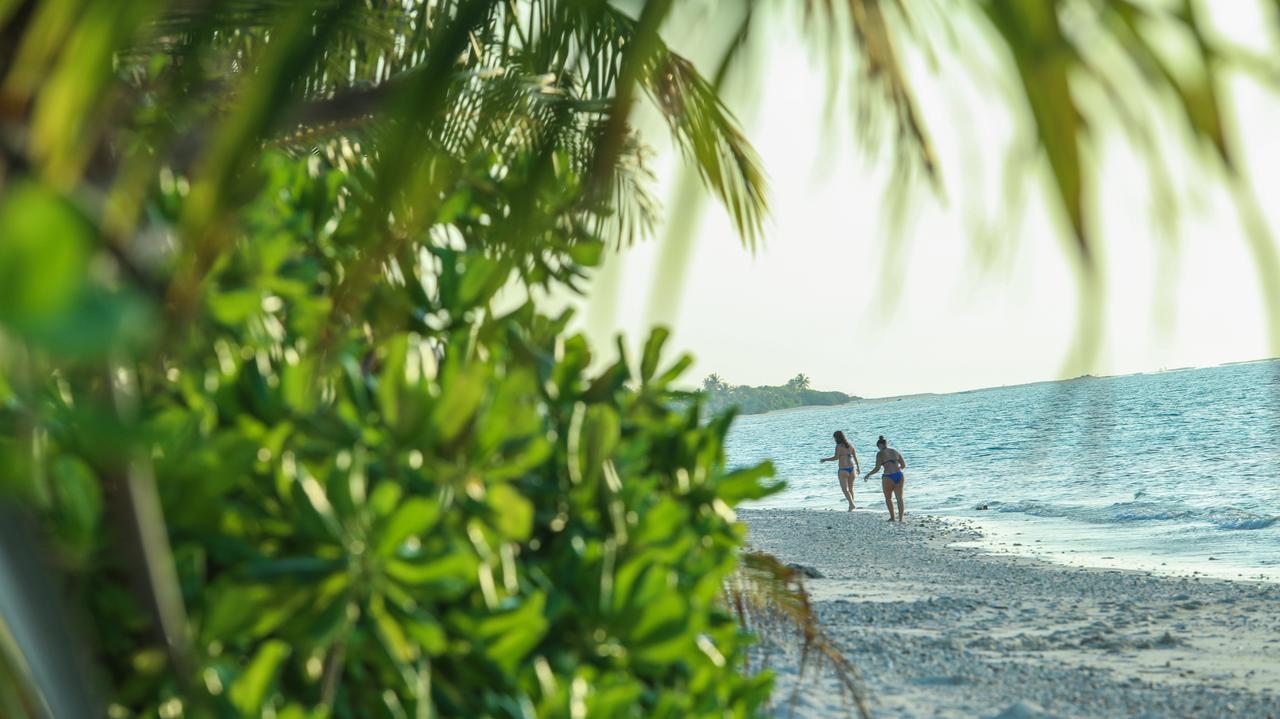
column 780, row 410
column 941, row 627
column 1042, row 538
column 1002, row 537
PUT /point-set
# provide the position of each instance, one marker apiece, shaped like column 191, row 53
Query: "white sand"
column 950, row 631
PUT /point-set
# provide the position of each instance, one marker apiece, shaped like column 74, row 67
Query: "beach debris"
column 805, row 570
column 1024, row 710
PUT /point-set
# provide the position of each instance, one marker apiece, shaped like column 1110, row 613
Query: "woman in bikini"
column 893, row 479
column 847, row 457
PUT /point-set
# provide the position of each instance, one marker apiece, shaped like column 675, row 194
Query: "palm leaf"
column 770, row 600
column 1041, row 55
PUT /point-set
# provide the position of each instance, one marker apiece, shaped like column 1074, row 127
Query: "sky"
column 986, row 289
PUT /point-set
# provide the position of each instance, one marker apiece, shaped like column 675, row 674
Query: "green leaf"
column 309, row 496
column 449, row 574
column 294, row 568
column 746, row 484
column 415, row 517
column 428, row 633
column 510, row 636
column 462, row 392
column 46, row 294
column 391, row 382
column 652, row 351
column 385, row 497
column 392, row 636
column 1041, row 54
column 615, row 699
column 587, row 252
column 297, row 711
column 513, row 513
column 98, row 320
column 481, row 279
column 599, row 435
column 254, row 610
column 328, row 616
column 79, row 500
column 455, row 207
column 233, row 307
column 674, row 372
column 250, row 689
column 661, row 631
column 44, row 258
column 297, row 385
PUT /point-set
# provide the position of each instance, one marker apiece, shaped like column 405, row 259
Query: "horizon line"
column 1072, row 379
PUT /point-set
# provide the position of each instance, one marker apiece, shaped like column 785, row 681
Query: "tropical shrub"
column 289, row 457
column 449, row 514
column 291, row 445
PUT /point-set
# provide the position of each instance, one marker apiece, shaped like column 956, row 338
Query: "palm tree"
column 714, row 383
column 800, row 381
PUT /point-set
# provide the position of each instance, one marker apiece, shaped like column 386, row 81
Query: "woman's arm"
column 902, row 461
column 875, row 468
column 832, row 458
column 856, row 463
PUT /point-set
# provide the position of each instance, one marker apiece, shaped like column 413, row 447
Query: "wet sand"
column 940, row 628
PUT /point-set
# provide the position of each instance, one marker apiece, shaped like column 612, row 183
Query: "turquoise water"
column 1175, row 472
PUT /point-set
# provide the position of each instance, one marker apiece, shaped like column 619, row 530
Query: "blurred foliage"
column 296, row 446
column 1076, row 79
column 448, row 516
column 1141, row 58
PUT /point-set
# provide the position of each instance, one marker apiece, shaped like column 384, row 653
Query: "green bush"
column 447, row 514
column 288, row 453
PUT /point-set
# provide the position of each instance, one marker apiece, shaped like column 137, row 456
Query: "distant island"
column 754, row 400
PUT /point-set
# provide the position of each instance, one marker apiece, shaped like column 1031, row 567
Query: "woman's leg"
column 887, row 485
column 897, row 490
column 844, row 488
column 853, row 481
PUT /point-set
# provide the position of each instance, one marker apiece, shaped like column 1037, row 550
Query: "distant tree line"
column 754, row 400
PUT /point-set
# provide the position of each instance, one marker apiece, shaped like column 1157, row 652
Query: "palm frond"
column 770, row 601
column 882, row 81
column 585, row 46
column 710, row 138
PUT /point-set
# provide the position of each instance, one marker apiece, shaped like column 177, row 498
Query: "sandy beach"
column 938, row 627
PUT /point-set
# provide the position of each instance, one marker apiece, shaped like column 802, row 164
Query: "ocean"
column 1175, row 472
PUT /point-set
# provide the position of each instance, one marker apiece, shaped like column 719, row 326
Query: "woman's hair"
column 882, row 440
column 840, row 440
